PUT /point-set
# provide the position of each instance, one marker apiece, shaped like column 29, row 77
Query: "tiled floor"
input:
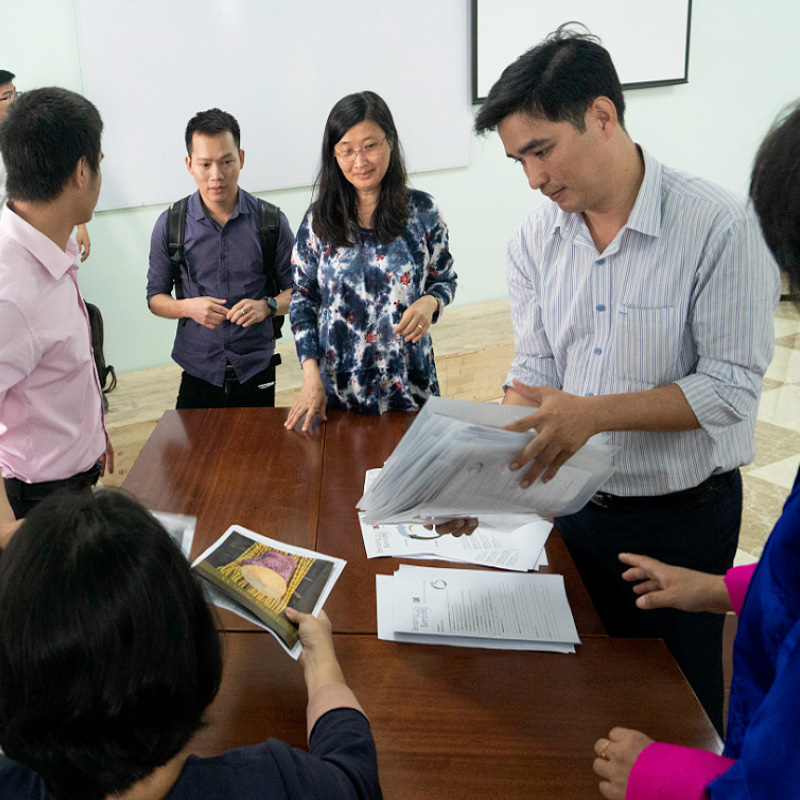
column 769, row 478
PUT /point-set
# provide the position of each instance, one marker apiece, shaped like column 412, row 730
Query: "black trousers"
column 22, row 497
column 700, row 535
column 258, row 392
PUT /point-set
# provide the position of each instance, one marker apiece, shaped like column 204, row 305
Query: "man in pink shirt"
column 52, row 434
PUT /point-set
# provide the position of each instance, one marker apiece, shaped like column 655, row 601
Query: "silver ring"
column 420, row 327
column 242, row 311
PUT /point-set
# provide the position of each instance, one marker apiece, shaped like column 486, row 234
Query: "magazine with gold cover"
column 257, row 578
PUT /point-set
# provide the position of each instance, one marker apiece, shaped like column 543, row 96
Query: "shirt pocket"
column 646, row 346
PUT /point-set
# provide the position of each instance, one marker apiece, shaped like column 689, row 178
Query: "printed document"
column 509, row 541
column 475, row 608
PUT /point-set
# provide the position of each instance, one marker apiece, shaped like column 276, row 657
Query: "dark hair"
column 108, row 651
column 335, row 211
column 43, row 136
column 556, row 80
column 6, row 76
column 775, row 192
column 212, row 123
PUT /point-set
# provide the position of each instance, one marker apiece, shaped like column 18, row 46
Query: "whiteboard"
column 278, row 67
column 648, row 41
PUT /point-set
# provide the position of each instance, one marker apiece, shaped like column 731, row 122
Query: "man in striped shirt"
column 642, row 300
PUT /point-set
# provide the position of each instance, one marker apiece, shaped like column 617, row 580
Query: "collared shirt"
column 685, row 294
column 226, row 263
column 51, row 406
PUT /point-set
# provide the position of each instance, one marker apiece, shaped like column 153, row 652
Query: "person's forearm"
column 164, row 305
column 514, row 398
column 8, row 522
column 310, row 367
column 284, row 300
column 664, row 409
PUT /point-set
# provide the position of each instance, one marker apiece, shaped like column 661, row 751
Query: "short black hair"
column 775, row 192
column 6, row 76
column 108, row 651
column 45, row 133
column 335, row 213
column 556, row 80
column 212, row 123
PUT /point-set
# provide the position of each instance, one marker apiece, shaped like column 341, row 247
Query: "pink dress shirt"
column 671, row 772
column 51, row 407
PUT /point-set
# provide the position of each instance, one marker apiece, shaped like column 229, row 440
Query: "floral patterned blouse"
column 347, row 300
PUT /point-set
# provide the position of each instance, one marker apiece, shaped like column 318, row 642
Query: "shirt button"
column 597, row 351
column 590, row 394
column 601, row 262
column 601, row 307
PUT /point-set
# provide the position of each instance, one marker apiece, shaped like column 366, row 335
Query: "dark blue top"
column 764, row 717
column 342, row 765
column 227, row 263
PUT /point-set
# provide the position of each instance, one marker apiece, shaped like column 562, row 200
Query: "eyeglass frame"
column 367, row 150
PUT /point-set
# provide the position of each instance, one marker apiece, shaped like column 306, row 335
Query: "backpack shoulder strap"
column 176, row 237
column 269, row 230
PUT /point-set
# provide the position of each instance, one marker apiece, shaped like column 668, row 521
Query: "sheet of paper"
column 180, row 527
column 385, row 604
column 481, row 604
column 506, row 541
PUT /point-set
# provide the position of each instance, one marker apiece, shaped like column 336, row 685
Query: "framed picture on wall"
column 649, row 42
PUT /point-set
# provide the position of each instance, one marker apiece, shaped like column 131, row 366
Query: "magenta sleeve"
column 672, row 772
column 737, row 579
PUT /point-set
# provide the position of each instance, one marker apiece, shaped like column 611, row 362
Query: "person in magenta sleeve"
column 760, row 760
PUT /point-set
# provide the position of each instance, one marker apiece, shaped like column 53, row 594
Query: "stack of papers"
column 453, row 462
column 510, row 541
column 475, row 608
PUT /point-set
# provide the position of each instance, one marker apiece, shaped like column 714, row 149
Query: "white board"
column 278, row 67
column 648, row 41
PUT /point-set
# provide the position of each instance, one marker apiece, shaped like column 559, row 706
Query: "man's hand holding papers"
column 563, row 425
column 453, row 462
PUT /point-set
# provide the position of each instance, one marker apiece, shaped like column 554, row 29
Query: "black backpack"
column 269, row 228
column 103, row 370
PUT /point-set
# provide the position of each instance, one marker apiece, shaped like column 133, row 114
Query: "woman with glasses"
column 372, row 273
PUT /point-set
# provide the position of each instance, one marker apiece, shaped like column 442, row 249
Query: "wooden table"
column 448, row 722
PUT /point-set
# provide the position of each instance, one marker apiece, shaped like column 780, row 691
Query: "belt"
column 695, row 496
column 230, row 372
column 20, row 490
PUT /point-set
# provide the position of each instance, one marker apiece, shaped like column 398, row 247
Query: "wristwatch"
column 272, row 304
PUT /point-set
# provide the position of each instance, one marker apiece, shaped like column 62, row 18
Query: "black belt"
column 701, row 493
column 19, row 490
column 230, row 372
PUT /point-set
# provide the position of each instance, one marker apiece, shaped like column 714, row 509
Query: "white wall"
column 742, row 71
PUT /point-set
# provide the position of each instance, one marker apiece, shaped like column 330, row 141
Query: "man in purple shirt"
column 224, row 340
column 52, row 434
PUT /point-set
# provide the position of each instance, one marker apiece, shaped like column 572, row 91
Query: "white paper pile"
column 475, row 608
column 510, row 541
column 453, row 462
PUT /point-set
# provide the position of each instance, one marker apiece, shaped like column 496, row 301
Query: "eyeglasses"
column 349, row 155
